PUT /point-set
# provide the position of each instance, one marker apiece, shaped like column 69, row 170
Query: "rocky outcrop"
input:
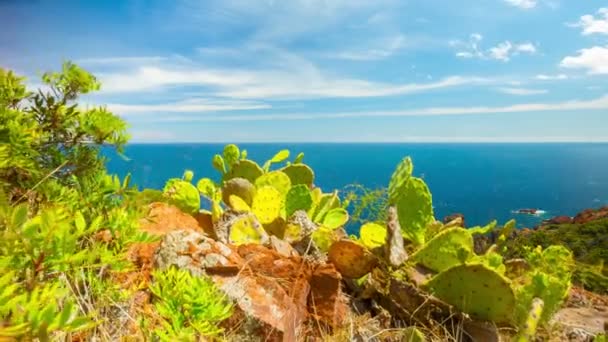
column 591, row 215
column 456, row 216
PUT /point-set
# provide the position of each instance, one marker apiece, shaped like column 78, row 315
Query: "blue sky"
column 329, row 70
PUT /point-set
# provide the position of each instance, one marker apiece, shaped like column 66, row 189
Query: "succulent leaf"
column 267, row 204
column 299, row 174
column 399, row 179
column 276, row 179
column 415, row 210
column 372, row 235
column 335, row 218
column 299, row 197
column 244, row 168
column 445, row 250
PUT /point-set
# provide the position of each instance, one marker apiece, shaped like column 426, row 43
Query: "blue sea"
column 481, row 181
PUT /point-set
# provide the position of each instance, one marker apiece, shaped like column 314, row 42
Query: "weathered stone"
column 164, row 218
column 326, row 301
column 394, row 250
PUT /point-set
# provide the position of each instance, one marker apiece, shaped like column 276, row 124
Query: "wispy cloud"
column 592, row 25
column 502, row 52
column 600, row 103
column 523, row 4
column 120, row 60
column 594, row 60
column 544, row 77
column 386, row 48
column 187, row 106
column 522, row 91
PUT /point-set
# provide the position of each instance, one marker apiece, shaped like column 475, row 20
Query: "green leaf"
column 19, row 216
column 79, row 221
column 335, row 218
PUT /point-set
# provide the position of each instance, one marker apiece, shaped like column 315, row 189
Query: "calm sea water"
column 482, row 181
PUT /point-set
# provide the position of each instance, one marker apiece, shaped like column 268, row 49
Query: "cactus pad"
column 276, row 179
column 188, row 175
column 445, row 250
column 183, row 195
column 323, row 238
column 483, row 230
column 267, row 204
column 476, row 290
column 218, row 163
column 293, row 232
column 399, row 179
column 231, row 154
column 415, row 210
column 244, row 168
column 335, row 218
column 207, row 188
column 299, row 174
column 245, row 229
column 298, row 198
column 240, row 187
column 299, row 158
column 351, row 259
column 412, row 334
column 372, row 235
column 326, row 203
column 238, row 204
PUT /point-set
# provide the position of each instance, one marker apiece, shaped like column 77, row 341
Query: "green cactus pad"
column 326, row 203
column 245, row 168
column 299, row 174
column 183, row 195
column 231, row 154
column 238, row 204
column 316, row 194
column 323, row 238
column 299, row 158
column 335, row 218
column 207, row 188
column 293, row 232
column 351, row 259
column 445, row 250
column 267, row 204
column 240, row 187
column 372, row 235
column 477, row 291
column 188, row 175
column 218, row 164
column 246, row 230
column 276, row 179
column 415, row 210
column 298, row 197
column 412, row 334
column 483, row 230
column 399, row 179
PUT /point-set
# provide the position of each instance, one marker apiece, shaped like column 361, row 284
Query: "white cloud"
column 592, row 25
column 522, row 91
column 120, row 60
column 187, row 106
column 600, row 103
column 386, row 48
column 544, row 77
column 523, row 4
column 502, row 52
column 594, row 60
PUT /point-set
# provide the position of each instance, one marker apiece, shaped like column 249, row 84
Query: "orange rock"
column 326, row 301
column 164, row 218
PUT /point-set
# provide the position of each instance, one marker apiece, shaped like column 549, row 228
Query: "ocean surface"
column 481, row 181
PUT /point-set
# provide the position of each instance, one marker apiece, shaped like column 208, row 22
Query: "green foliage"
column 191, row 306
column 299, row 174
column 399, row 179
column 239, row 187
column 276, row 179
column 231, row 154
column 365, row 204
column 267, row 204
column 449, row 248
column 335, row 218
column 244, row 168
column 183, row 195
column 372, row 235
column 277, row 158
column 298, row 198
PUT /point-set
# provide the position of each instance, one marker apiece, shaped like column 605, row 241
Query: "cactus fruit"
column 372, row 235
column 298, row 198
column 218, row 164
column 528, row 330
column 246, row 229
column 183, row 195
column 335, row 218
column 477, row 290
column 267, row 204
column 399, row 179
column 231, row 154
column 244, row 168
column 445, row 250
column 351, row 259
column 415, row 210
column 240, row 187
column 276, row 179
column 299, row 174
column 238, row 204
column 188, row 175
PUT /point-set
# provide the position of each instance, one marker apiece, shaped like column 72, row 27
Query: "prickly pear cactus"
column 277, row 158
column 528, row 330
column 415, row 209
column 399, row 179
column 326, row 203
column 299, row 158
column 298, row 198
column 323, row 238
column 445, row 250
column 372, row 235
column 238, row 204
column 299, row 174
column 267, row 204
column 240, row 187
column 483, row 230
column 207, row 188
column 246, row 229
column 335, row 218
column 476, row 290
column 183, row 195
column 231, row 155
column 351, row 259
column 218, row 164
column 244, row 168
column 276, row 179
